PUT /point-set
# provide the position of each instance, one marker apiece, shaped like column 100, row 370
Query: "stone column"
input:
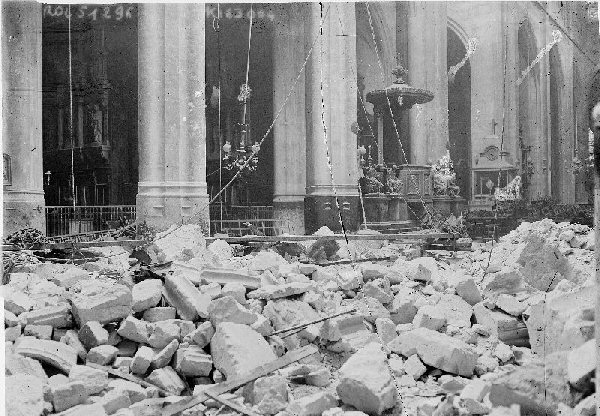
column 331, row 95
column 22, row 115
column 172, row 125
column 427, row 68
column 289, row 132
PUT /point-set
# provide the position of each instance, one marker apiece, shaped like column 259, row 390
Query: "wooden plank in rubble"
column 263, row 370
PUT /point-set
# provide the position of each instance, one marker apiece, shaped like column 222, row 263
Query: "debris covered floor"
column 505, row 329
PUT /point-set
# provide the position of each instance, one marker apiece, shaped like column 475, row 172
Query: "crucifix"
column 494, row 124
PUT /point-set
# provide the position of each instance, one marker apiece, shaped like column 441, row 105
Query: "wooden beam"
column 316, row 321
column 128, row 377
column 79, row 244
column 351, row 237
column 230, row 403
column 263, row 370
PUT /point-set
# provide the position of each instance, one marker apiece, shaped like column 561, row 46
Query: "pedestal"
column 331, row 88
column 322, row 211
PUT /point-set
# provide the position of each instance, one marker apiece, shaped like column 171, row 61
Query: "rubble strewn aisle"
column 464, row 333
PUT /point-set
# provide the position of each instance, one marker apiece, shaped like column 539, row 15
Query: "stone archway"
column 459, row 113
column 557, row 156
column 528, row 117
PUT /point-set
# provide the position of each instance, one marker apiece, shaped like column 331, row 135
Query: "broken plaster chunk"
column 15, row 301
column 193, row 362
column 114, row 400
column 38, row 331
column 510, row 305
column 93, row 380
column 581, row 363
column 102, row 355
column 313, row 404
column 319, row 378
column 159, row 313
column 437, row 350
column 65, row 396
column 466, row 288
column 414, row 367
column 111, row 303
column 27, row 393
column 167, row 379
column 235, row 290
column 146, row 294
column 202, row 335
column 17, row 364
column 163, row 357
column 142, row 360
column 386, row 329
column 269, row 394
column 366, row 382
column 58, row 316
column 285, row 290
column 54, row 353
column 11, row 334
column 134, row 329
column 227, row 309
column 403, row 309
column 430, row 317
column 162, row 333
column 186, row 298
column 379, row 289
column 71, row 338
column 237, row 349
column 503, row 352
column 92, row 334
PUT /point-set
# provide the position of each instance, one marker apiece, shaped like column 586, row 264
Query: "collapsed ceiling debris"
column 195, row 329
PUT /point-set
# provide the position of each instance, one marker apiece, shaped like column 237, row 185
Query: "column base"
column 320, row 210
column 160, row 205
column 289, row 216
column 24, row 211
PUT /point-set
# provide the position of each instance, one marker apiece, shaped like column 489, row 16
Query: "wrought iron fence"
column 238, row 220
column 68, row 220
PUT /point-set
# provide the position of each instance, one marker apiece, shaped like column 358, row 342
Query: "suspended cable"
column 73, row 196
column 248, row 61
column 218, row 30
column 326, row 142
column 256, row 150
column 566, row 33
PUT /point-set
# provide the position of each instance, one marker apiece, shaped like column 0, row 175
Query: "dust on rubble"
column 497, row 330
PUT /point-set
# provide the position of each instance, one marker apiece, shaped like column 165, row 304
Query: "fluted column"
column 22, row 115
column 172, row 124
column 331, row 96
column 427, row 57
column 289, row 132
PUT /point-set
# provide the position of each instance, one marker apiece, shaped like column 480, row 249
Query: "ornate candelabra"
column 241, row 154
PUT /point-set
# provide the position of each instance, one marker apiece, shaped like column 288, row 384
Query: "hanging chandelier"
column 240, row 154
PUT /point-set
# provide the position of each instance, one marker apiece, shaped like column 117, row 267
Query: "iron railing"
column 68, row 220
column 234, row 220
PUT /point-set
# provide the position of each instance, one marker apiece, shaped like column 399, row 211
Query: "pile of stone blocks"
column 455, row 333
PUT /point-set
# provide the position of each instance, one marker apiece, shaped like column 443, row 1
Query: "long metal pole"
column 595, row 125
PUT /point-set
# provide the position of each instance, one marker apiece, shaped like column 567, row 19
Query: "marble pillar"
column 289, row 132
column 23, row 189
column 427, row 69
column 330, row 112
column 171, row 126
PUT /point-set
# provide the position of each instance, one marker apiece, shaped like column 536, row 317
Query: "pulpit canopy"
column 401, row 95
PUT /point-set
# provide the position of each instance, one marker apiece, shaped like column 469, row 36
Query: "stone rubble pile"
column 506, row 329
